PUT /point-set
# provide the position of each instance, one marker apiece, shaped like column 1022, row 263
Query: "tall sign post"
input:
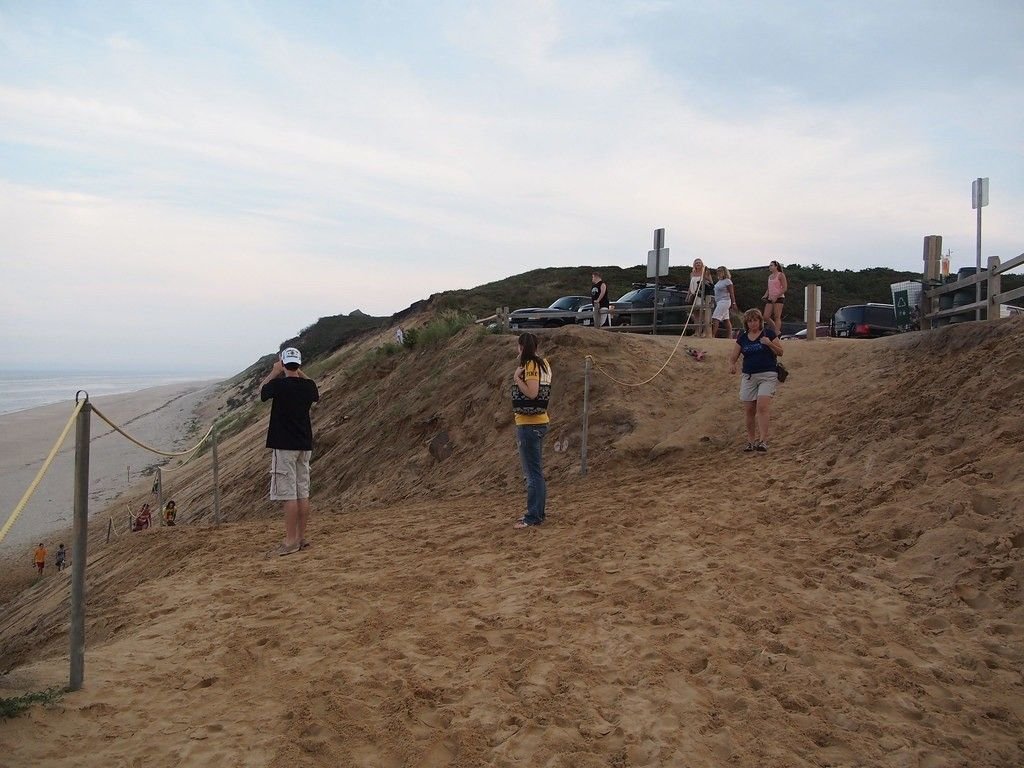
column 657, row 266
column 979, row 199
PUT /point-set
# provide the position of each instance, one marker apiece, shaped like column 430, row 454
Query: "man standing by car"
column 599, row 298
column 290, row 436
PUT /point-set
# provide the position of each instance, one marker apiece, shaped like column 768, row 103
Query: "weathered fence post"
column 216, row 479
column 811, row 311
column 586, row 416
column 110, row 528
column 932, row 277
column 995, row 287
column 159, row 493
column 80, row 551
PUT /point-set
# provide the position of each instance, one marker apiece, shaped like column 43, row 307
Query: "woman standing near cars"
column 531, row 389
column 725, row 300
column 760, row 347
column 775, row 296
column 700, row 285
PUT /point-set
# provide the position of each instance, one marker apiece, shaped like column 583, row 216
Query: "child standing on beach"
column 60, row 558
column 40, row 558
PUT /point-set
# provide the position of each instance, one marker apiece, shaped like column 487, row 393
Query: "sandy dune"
column 851, row 599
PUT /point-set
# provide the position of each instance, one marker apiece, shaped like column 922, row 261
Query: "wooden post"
column 932, row 276
column 80, row 551
column 110, row 528
column 811, row 311
column 216, row 479
column 159, row 493
column 995, row 287
column 586, row 416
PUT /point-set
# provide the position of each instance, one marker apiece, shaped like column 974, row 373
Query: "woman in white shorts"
column 759, row 346
column 725, row 300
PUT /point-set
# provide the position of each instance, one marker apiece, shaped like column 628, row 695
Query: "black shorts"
column 780, row 300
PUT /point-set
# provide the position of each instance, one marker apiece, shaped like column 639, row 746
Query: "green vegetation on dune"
column 329, row 333
column 14, row 706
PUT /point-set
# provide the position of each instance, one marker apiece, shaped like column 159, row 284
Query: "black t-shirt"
column 290, row 428
column 596, row 291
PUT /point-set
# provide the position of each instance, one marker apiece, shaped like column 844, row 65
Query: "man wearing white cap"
column 290, row 436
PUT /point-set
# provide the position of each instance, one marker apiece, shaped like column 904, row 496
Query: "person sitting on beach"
column 40, row 558
column 143, row 520
column 170, row 512
column 60, row 558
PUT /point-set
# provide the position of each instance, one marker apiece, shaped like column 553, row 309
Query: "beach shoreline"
column 162, row 416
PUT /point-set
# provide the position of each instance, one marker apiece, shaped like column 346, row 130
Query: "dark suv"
column 561, row 312
column 671, row 306
column 864, row 321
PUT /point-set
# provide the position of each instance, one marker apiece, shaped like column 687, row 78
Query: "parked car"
column 671, row 306
column 561, row 312
column 864, row 321
column 820, row 331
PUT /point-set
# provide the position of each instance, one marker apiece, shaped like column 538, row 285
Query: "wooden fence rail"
column 990, row 278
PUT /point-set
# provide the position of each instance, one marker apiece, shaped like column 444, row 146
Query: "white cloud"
column 199, row 198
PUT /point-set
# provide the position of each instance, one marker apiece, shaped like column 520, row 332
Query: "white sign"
column 979, row 193
column 657, row 263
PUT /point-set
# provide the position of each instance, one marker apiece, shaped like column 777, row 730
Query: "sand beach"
column 161, row 416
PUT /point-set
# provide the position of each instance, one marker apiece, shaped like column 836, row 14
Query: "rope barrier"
column 42, row 471
column 682, row 334
column 150, row 448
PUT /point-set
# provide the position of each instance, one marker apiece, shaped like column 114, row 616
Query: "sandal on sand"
column 283, row 549
column 521, row 523
column 750, row 447
column 761, row 445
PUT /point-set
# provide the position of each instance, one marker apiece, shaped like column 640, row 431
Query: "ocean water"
column 20, row 390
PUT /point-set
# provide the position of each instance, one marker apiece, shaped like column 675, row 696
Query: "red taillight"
column 862, row 329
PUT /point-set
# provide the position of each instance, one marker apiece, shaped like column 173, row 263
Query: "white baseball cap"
column 291, row 355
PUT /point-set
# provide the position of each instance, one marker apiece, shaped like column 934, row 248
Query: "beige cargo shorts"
column 289, row 475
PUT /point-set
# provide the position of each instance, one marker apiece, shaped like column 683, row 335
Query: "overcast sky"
column 185, row 185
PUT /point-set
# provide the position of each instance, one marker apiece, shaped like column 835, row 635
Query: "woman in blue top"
column 760, row 347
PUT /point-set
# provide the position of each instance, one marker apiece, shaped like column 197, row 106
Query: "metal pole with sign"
column 657, row 266
column 979, row 199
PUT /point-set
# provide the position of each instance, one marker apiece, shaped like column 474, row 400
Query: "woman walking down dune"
column 531, row 388
column 725, row 300
column 775, row 295
column 760, row 347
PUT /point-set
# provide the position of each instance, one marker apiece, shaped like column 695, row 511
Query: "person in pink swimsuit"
column 775, row 296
